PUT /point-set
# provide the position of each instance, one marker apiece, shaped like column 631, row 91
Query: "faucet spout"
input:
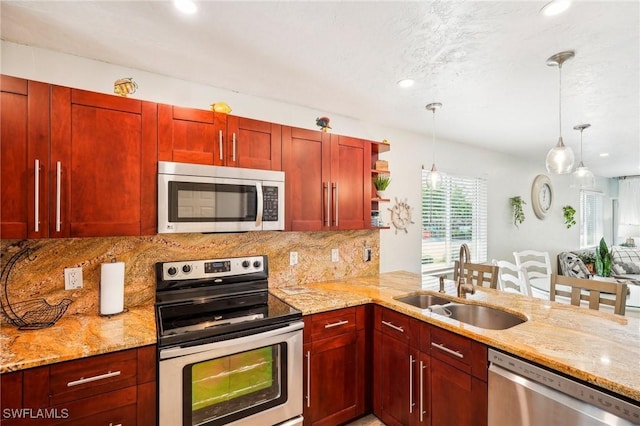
column 462, row 286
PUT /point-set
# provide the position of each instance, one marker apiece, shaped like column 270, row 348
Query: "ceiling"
column 485, row 61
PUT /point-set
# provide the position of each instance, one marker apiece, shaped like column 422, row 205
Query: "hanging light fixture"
column 583, row 177
column 560, row 158
column 434, row 178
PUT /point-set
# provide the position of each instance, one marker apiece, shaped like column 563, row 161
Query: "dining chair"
column 536, row 265
column 511, row 278
column 579, row 289
column 478, row 274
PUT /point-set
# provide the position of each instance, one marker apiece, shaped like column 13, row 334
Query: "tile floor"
column 369, row 420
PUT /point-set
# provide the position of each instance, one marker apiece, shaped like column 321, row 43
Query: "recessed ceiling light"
column 185, row 6
column 555, row 7
column 604, row 154
column 407, row 82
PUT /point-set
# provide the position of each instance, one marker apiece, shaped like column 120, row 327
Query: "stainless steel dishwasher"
column 521, row 393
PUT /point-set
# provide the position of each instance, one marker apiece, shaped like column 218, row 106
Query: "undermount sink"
column 476, row 315
column 483, row 316
column 423, row 301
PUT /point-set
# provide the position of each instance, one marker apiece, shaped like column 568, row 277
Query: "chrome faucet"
column 461, row 285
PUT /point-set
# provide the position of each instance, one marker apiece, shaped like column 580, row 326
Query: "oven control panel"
column 213, row 268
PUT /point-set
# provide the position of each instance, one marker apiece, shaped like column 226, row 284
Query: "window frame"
column 591, row 218
column 475, row 194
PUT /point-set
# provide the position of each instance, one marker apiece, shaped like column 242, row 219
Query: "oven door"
column 250, row 380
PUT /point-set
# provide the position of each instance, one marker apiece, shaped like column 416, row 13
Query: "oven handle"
column 180, row 351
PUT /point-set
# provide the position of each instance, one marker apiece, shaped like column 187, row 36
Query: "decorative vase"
column 380, row 193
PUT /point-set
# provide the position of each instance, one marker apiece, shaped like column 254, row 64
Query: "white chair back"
column 512, row 279
column 536, row 263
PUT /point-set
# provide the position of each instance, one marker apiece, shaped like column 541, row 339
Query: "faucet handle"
column 442, row 278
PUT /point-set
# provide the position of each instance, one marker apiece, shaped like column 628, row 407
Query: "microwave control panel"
column 270, row 203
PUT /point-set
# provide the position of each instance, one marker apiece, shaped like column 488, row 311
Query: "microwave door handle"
column 260, row 204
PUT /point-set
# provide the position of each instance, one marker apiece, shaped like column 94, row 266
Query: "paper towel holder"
column 111, row 281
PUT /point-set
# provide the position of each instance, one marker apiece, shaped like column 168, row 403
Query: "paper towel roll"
column 111, row 288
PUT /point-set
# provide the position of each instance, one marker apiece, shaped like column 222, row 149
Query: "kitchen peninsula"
column 595, row 347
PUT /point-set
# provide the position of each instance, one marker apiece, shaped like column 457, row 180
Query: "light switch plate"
column 366, row 254
column 293, row 258
column 335, row 256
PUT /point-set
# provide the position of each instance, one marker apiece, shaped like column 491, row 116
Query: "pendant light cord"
column 581, row 130
column 560, row 99
column 433, row 138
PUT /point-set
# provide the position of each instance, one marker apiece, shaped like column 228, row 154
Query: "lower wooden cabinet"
column 335, row 366
column 424, row 375
column 118, row 388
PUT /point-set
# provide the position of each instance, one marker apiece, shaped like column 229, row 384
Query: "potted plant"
column 381, row 182
column 569, row 213
column 604, row 259
column 518, row 213
column 589, row 260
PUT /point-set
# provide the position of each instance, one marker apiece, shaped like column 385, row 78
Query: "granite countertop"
column 76, row 336
column 597, row 347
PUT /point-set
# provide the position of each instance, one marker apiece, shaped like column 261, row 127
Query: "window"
column 591, row 218
column 452, row 215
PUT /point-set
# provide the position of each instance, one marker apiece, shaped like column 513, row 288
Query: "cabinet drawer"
column 91, row 376
column 451, row 348
column 110, row 409
column 396, row 325
column 333, row 323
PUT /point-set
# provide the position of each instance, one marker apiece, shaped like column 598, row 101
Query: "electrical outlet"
column 293, row 258
column 72, row 278
column 335, row 256
column 366, row 254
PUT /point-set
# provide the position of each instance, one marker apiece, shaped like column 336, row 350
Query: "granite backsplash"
column 42, row 275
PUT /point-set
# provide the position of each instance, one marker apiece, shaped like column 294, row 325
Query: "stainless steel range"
column 229, row 352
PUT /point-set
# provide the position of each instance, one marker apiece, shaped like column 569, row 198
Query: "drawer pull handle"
column 395, row 327
column 447, row 350
column 82, row 380
column 336, row 324
column 111, row 424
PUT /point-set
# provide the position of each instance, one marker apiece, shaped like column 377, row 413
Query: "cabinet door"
column 397, row 373
column 457, row 398
column 350, row 183
column 103, row 164
column 24, row 128
column 306, row 155
column 332, row 392
column 188, row 135
column 253, row 144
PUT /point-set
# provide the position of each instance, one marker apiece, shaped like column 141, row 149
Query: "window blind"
column 454, row 214
column 591, row 218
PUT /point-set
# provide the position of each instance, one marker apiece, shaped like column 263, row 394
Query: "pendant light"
column 560, row 158
column 583, row 177
column 434, row 178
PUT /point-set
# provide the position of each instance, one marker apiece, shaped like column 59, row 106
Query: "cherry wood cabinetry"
column 396, row 362
column 188, row 135
column 424, row 375
column 103, row 165
column 191, row 135
column 116, row 388
column 328, row 181
column 24, row 158
column 335, row 376
column 458, row 380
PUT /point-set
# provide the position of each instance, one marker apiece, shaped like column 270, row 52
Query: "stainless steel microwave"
column 201, row 198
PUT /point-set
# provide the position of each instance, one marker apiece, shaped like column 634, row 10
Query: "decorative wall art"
column 401, row 215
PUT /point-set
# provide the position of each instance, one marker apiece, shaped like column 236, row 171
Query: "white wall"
column 507, row 176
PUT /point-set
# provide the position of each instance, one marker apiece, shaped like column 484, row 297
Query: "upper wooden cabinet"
column 24, row 158
column 103, row 165
column 328, row 180
column 190, row 135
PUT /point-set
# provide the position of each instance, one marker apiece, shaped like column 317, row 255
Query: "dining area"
column 530, row 273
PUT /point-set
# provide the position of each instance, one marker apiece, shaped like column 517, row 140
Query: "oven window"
column 223, row 390
column 211, row 202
